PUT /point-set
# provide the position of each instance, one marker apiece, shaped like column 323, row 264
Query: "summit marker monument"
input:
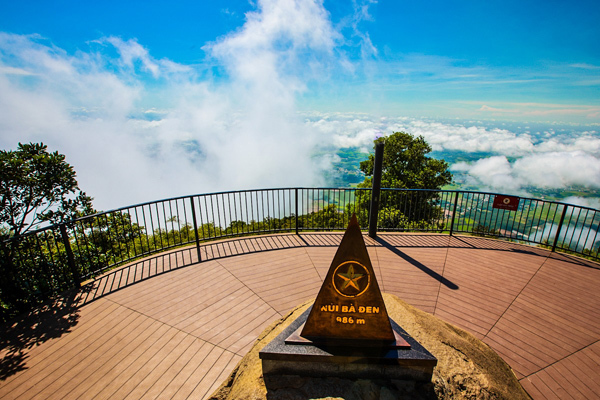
column 347, row 332
column 349, row 309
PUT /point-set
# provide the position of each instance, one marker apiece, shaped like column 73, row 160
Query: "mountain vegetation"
column 406, row 165
column 36, row 188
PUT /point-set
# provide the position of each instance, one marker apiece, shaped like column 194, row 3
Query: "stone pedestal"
column 350, row 362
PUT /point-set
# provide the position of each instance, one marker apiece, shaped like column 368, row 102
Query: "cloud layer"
column 500, row 159
column 553, row 170
column 137, row 128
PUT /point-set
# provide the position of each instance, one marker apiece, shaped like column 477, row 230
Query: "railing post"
column 296, row 211
column 376, row 190
column 195, row 228
column 70, row 257
column 560, row 224
column 453, row 214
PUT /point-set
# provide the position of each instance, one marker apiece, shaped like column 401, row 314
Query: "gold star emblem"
column 354, row 281
column 350, row 278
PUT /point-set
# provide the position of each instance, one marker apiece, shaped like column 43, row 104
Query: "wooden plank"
column 522, row 365
column 457, row 318
column 209, row 380
column 532, row 389
column 235, row 359
column 76, row 382
column 70, row 363
column 161, row 367
column 575, row 376
column 137, row 379
column 220, row 320
column 235, row 320
column 37, row 346
column 185, row 374
column 551, row 389
column 204, row 319
column 162, row 381
column 78, row 347
column 126, row 375
column 198, row 375
column 241, row 324
column 571, row 372
column 125, row 356
column 563, row 384
column 545, row 318
column 178, row 310
column 183, row 285
column 124, row 344
column 548, row 321
column 553, row 345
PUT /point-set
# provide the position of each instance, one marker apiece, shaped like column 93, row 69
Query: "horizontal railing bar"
column 149, row 203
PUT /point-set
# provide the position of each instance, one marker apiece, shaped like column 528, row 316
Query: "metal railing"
column 58, row 257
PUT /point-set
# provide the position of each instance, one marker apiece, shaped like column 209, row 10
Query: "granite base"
column 279, row 358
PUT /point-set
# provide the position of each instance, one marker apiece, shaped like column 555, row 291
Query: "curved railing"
column 58, row 257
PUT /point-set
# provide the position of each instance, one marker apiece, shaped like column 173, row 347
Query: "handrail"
column 56, row 257
column 322, row 189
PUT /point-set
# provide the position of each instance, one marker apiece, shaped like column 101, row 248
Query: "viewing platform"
column 168, row 326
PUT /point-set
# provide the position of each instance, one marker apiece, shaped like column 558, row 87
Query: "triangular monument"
column 349, row 309
column 347, row 332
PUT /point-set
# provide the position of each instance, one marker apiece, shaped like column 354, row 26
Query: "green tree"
column 107, row 239
column 406, row 165
column 36, row 187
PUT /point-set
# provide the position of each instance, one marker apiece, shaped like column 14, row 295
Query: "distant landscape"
column 347, row 174
column 537, row 160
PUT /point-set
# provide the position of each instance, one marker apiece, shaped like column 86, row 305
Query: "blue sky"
column 495, row 59
column 151, row 99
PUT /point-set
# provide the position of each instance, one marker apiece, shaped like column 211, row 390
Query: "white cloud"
column 266, row 50
column 545, row 111
column 232, row 134
column 511, row 162
column 495, row 172
column 471, row 138
column 359, row 130
column 137, row 128
column 586, row 143
column 559, row 169
column 14, row 71
column 544, row 170
column 583, row 202
column 131, row 51
column 585, row 66
column 363, row 139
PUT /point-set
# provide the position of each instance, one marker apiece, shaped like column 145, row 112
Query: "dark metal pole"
column 195, row 228
column 375, row 191
column 453, row 214
column 296, row 212
column 560, row 224
column 70, row 257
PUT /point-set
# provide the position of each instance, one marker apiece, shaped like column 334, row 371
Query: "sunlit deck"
column 169, row 327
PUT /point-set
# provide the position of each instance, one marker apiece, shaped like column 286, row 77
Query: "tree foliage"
column 406, row 164
column 36, row 187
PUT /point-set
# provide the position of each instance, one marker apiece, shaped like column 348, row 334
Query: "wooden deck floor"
column 169, row 327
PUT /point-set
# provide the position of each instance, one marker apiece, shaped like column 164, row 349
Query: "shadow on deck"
column 140, row 332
